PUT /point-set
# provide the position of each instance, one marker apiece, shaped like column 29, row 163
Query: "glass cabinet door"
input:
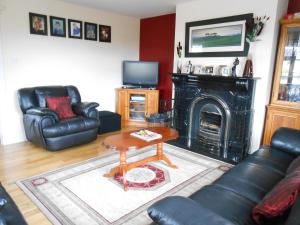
column 137, row 106
column 289, row 86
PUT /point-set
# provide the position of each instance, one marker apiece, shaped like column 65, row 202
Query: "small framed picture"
column 57, row 26
column 38, row 24
column 75, row 29
column 186, row 68
column 225, row 71
column 90, row 31
column 198, row 69
column 209, row 70
column 104, row 33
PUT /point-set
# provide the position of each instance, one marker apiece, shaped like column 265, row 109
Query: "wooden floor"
column 23, row 160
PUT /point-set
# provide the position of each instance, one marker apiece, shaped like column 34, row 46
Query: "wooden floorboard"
column 22, row 160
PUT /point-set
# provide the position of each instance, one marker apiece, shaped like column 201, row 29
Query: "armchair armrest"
column 287, row 140
column 35, row 119
column 37, row 111
column 177, row 210
column 86, row 109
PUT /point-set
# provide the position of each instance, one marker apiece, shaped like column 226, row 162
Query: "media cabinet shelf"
column 134, row 104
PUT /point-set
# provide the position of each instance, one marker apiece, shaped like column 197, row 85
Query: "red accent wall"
column 294, row 6
column 157, row 44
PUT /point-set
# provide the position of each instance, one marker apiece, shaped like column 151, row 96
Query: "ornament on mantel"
column 248, row 69
column 179, row 54
column 233, row 70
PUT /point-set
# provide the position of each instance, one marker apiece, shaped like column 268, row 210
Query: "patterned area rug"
column 79, row 194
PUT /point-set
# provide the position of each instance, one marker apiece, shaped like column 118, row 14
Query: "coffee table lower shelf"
column 124, row 167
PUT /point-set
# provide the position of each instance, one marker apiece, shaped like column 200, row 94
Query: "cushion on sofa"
column 230, row 206
column 295, row 165
column 287, row 140
column 248, row 180
column 61, row 105
column 279, row 199
column 178, row 210
column 52, row 91
column 70, row 126
column 272, row 158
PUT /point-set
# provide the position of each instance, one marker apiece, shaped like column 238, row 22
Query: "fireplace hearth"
column 213, row 115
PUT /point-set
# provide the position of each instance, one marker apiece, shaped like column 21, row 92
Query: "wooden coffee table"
column 124, row 141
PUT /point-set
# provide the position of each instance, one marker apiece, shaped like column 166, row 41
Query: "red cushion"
column 61, row 105
column 295, row 165
column 281, row 197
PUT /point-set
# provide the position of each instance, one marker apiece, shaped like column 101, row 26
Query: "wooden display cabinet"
column 284, row 108
column 134, row 104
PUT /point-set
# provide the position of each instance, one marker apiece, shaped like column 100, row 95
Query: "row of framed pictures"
column 220, row 70
column 39, row 25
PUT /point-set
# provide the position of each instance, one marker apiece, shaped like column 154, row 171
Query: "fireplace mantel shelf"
column 213, row 77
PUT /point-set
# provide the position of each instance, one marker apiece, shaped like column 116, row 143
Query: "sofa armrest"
column 86, row 109
column 9, row 212
column 294, row 216
column 177, row 210
column 37, row 111
column 287, row 140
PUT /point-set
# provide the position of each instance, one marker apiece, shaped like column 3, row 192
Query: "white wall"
column 2, row 84
column 33, row 60
column 263, row 52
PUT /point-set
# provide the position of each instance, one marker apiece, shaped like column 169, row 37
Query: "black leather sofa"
column 9, row 212
column 231, row 198
column 42, row 125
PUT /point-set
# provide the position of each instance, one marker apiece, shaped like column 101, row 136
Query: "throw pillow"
column 61, row 105
column 295, row 165
column 280, row 199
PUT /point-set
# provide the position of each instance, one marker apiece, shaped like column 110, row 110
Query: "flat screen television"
column 140, row 73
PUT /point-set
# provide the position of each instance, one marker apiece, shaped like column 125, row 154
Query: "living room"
column 139, row 30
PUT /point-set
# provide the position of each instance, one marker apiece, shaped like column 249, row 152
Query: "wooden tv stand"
column 134, row 104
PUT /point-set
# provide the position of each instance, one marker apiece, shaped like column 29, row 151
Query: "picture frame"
column 209, row 70
column 90, row 31
column 222, row 70
column 220, row 37
column 38, row 24
column 75, row 29
column 186, row 69
column 198, row 69
column 57, row 26
column 104, row 33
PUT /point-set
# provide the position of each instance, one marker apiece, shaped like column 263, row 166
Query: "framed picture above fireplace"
column 217, row 37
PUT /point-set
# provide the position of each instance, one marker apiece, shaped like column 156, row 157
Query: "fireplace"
column 213, row 115
column 209, row 120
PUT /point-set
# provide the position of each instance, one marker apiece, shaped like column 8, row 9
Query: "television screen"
column 140, row 73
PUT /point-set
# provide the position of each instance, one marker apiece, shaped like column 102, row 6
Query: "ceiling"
column 135, row 8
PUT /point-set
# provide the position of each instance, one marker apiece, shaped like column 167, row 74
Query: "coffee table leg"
column 123, row 168
column 161, row 156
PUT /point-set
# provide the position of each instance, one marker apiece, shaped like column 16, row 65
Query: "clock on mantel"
column 284, row 107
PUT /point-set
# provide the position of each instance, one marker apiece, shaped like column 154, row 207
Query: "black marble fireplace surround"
column 213, row 115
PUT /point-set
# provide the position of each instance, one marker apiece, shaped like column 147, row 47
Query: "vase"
column 248, row 70
column 179, row 65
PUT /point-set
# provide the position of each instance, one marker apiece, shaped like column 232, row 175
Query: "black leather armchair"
column 42, row 125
